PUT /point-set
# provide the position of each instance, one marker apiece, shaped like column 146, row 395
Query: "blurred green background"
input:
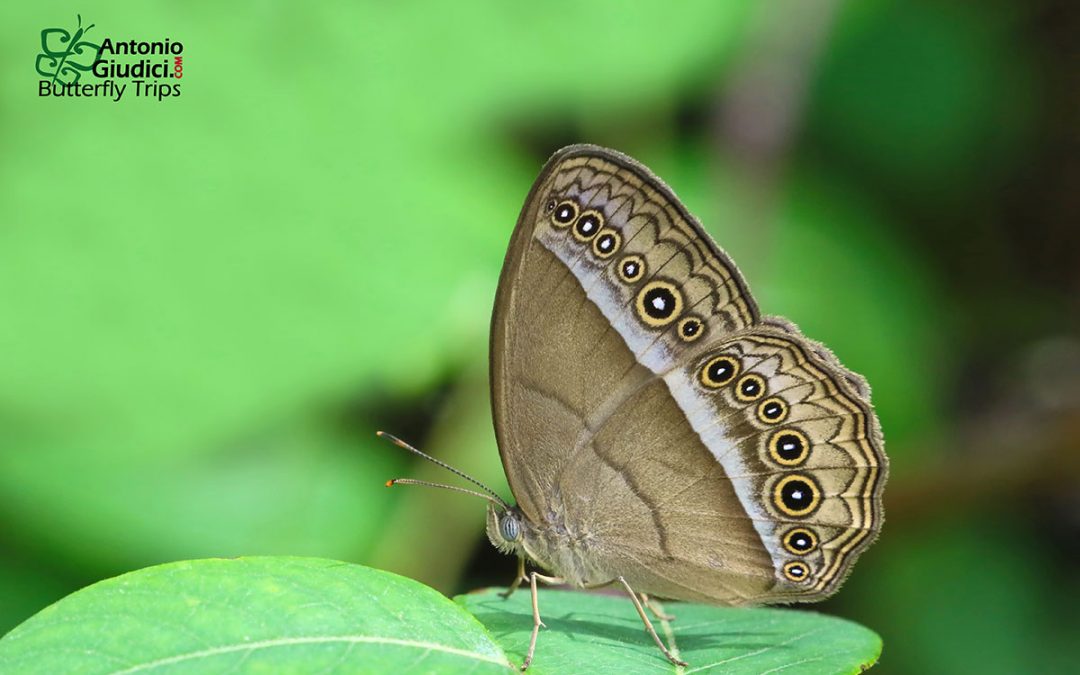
column 209, row 304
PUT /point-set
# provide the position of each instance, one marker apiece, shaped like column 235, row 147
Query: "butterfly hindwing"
column 796, row 435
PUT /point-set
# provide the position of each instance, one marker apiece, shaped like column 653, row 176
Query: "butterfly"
column 658, row 432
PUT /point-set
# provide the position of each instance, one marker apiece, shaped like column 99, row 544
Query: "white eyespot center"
column 797, row 494
column 658, row 302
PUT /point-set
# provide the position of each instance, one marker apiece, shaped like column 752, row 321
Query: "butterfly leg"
column 537, row 623
column 517, row 580
column 648, row 624
column 657, row 609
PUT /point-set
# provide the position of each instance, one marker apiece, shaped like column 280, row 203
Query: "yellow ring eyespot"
column 773, row 410
column 659, row 303
column 800, row 540
column 588, row 224
column 796, row 495
column 750, row 388
column 719, row 371
column 796, row 571
column 691, row 328
column 789, row 447
column 564, row 214
column 631, row 268
column 606, row 243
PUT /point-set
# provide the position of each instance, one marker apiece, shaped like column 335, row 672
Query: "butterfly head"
column 506, row 529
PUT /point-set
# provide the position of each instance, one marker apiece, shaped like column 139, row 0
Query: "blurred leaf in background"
column 209, row 304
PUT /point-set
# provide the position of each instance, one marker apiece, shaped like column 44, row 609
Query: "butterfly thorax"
column 550, row 545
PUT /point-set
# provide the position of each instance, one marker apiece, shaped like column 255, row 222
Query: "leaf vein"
column 288, row 642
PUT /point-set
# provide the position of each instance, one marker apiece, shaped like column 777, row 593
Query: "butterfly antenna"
column 413, row 481
column 494, row 497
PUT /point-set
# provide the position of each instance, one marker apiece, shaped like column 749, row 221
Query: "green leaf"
column 600, row 633
column 252, row 615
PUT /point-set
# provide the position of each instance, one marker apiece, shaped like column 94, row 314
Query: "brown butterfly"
column 656, row 430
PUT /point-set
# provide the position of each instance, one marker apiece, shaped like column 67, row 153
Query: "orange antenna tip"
column 491, row 495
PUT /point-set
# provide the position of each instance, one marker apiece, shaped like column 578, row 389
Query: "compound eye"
column 510, row 528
